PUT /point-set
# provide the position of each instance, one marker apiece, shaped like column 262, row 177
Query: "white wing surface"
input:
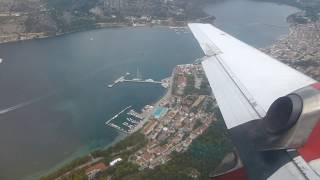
column 244, row 80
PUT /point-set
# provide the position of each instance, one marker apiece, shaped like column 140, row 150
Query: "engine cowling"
column 289, row 120
column 283, row 113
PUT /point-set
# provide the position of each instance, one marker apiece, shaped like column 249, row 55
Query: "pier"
column 120, row 79
column 137, row 79
column 118, row 128
column 129, row 124
column 135, row 114
column 142, row 81
column 115, row 116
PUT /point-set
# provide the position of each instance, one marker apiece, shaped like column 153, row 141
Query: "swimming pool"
column 159, row 111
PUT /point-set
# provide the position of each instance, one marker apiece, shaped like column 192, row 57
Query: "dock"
column 123, row 80
column 118, row 128
column 119, row 80
column 142, row 81
column 137, row 79
column 115, row 116
column 129, row 124
column 135, row 114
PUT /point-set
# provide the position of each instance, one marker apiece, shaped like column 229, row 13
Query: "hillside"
column 27, row 19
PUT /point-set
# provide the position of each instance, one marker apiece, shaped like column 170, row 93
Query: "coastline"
column 156, row 103
column 76, row 155
column 105, row 25
column 62, row 34
column 119, row 138
column 156, row 23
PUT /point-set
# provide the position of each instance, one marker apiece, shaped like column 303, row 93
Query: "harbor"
column 125, row 122
column 128, row 120
column 138, row 79
column 135, row 114
column 117, row 115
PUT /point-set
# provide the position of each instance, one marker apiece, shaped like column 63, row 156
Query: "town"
column 300, row 49
column 170, row 125
column 179, row 119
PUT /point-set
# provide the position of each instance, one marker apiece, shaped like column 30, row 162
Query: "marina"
column 115, row 116
column 125, row 122
column 135, row 114
column 117, row 128
column 133, row 121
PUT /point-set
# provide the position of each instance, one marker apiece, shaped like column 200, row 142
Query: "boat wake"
column 23, row 104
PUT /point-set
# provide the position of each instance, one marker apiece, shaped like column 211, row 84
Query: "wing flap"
column 233, row 105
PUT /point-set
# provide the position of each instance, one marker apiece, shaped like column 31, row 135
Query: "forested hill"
column 50, row 17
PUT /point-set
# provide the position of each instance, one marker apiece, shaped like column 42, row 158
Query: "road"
column 149, row 114
column 92, row 161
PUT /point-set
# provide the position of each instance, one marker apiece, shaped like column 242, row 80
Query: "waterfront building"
column 150, row 126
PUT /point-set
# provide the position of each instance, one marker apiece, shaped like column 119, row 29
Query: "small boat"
column 125, row 123
column 131, row 120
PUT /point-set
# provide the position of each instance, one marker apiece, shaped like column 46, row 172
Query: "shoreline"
column 118, row 139
column 98, row 21
column 83, row 30
column 76, row 155
column 156, row 23
column 62, row 34
column 156, row 103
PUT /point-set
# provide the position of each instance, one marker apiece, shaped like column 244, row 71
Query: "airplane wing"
column 271, row 110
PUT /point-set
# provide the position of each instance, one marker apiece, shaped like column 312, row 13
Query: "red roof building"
column 93, row 170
